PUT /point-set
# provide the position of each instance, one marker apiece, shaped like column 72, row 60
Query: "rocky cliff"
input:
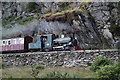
column 89, row 21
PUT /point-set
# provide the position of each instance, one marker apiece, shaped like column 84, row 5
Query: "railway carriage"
column 15, row 44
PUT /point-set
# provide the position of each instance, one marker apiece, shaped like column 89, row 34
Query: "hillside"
column 94, row 24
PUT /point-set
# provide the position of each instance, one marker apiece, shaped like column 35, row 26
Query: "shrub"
column 38, row 10
column 56, row 74
column 115, row 30
column 99, row 62
column 35, row 72
column 31, row 6
column 36, row 69
column 109, row 71
column 2, row 65
column 39, row 66
column 89, row 64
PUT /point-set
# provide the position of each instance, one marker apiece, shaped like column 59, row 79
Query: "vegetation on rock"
column 25, row 20
column 64, row 6
column 64, row 15
column 8, row 20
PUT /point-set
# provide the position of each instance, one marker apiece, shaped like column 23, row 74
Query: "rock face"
column 64, row 58
column 90, row 27
column 13, row 9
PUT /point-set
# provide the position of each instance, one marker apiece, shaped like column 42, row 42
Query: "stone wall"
column 59, row 58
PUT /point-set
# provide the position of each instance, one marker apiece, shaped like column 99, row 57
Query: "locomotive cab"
column 44, row 42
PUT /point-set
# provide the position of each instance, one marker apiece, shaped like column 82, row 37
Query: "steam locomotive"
column 47, row 42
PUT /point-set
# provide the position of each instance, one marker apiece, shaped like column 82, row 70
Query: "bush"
column 99, row 62
column 38, row 10
column 89, row 64
column 109, row 71
column 2, row 65
column 31, row 6
column 36, row 69
column 64, row 6
column 56, row 74
column 115, row 30
column 39, row 67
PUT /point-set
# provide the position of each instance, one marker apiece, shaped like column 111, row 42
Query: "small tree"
column 109, row 71
column 99, row 62
column 115, row 30
column 36, row 69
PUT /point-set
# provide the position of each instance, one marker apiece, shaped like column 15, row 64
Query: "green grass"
column 26, row 72
column 80, row 72
column 17, row 72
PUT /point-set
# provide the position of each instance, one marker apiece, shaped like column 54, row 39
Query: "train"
column 44, row 42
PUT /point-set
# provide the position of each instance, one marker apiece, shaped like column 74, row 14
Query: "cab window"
column 9, row 42
column 3, row 42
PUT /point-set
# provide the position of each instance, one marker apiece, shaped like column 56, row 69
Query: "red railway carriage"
column 15, row 44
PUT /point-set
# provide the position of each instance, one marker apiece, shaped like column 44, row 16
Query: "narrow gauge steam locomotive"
column 46, row 42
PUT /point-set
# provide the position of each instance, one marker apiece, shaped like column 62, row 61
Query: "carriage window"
column 12, row 42
column 3, row 42
column 17, row 41
column 9, row 43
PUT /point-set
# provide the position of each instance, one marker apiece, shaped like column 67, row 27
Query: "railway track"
column 86, row 51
